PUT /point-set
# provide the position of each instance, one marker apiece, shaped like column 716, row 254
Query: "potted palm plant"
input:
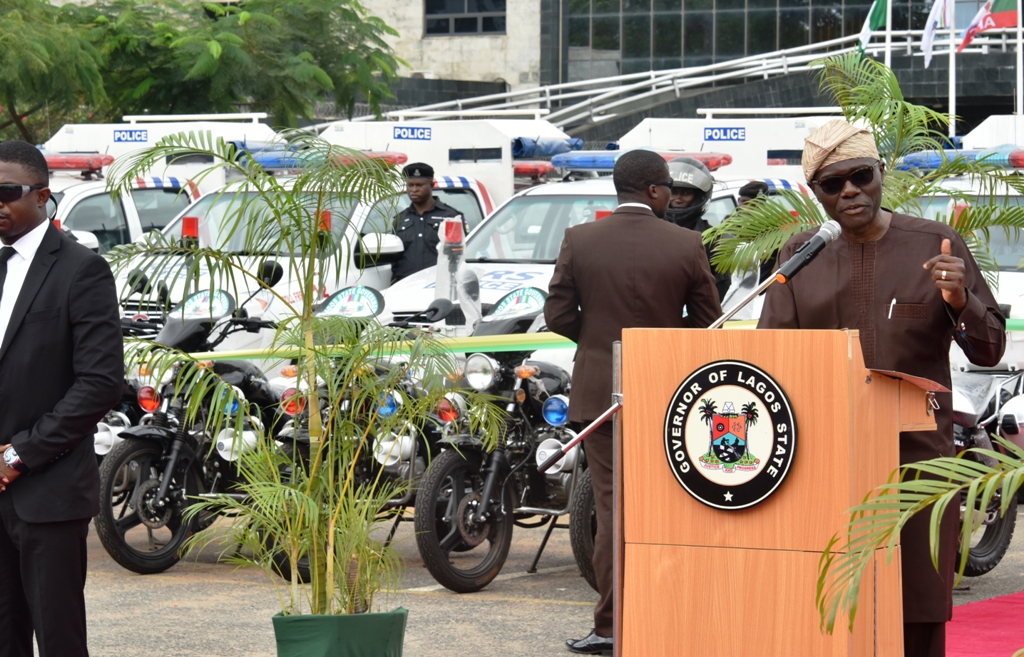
column 309, row 501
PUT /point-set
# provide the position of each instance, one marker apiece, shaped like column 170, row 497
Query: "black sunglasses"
column 660, row 183
column 9, row 192
column 832, row 185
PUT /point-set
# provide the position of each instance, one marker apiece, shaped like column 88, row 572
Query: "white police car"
column 517, row 245
column 82, row 204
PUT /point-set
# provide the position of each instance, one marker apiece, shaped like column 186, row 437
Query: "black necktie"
column 5, row 255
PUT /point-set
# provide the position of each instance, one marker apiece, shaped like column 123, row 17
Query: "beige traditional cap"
column 833, row 142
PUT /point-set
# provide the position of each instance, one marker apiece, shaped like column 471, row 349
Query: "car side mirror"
column 271, row 273
column 87, row 239
column 138, row 282
column 375, row 249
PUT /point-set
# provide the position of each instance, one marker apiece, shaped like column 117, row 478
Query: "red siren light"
column 77, row 161
column 524, row 168
column 190, row 227
column 713, row 161
column 325, row 221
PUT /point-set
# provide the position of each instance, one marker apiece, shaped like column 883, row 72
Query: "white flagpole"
column 888, row 31
column 1020, row 63
column 950, row 15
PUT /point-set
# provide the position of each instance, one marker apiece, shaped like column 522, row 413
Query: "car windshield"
column 224, row 219
column 1007, row 249
column 531, row 228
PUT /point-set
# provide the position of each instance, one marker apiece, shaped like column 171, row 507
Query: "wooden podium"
column 696, row 580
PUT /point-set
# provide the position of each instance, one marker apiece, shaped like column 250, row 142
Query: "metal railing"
column 573, row 105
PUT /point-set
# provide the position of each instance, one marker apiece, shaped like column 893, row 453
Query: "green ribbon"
column 481, row 343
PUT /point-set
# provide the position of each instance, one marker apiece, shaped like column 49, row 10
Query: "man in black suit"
column 631, row 269
column 61, row 370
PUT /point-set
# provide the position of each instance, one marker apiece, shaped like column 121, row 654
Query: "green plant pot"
column 349, row 635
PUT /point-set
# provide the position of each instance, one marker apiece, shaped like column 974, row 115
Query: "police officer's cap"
column 418, row 170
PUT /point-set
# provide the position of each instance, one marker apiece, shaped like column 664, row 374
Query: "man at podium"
column 630, row 269
column 909, row 286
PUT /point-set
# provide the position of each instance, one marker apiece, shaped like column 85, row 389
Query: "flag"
column 995, row 13
column 936, row 19
column 874, row 21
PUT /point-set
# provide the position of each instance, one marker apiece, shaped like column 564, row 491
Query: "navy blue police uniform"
column 419, row 233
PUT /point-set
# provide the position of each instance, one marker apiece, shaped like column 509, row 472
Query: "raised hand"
column 948, row 275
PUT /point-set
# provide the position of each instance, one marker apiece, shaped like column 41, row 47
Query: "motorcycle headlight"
column 231, row 405
column 556, row 410
column 481, row 372
column 389, row 404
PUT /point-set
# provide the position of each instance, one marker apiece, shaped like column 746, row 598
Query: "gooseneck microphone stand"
column 727, row 315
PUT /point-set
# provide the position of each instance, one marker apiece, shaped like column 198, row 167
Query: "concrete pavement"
column 202, row 608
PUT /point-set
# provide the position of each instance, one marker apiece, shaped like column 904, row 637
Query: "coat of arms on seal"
column 730, row 435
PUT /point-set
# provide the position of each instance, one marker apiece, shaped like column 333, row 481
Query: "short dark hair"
column 754, row 189
column 634, row 169
column 29, row 157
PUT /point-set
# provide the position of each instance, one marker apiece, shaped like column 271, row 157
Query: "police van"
column 139, row 133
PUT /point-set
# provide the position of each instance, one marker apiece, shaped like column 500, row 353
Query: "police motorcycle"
column 398, row 454
column 147, row 479
column 985, row 404
column 470, row 500
column 127, row 412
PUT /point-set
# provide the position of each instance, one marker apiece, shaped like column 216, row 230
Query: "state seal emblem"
column 730, row 435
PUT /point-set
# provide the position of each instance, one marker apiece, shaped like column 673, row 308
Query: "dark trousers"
column 924, row 639
column 598, row 447
column 42, row 585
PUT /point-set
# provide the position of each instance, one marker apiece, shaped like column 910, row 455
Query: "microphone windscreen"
column 829, row 230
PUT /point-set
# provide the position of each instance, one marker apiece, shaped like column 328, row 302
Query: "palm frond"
column 876, row 523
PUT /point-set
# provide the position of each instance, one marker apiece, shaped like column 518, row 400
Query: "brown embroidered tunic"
column 881, row 289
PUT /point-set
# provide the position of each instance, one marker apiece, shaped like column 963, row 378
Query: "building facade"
column 524, row 43
column 481, row 40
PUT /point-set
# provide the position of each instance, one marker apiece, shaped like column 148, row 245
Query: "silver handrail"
column 574, row 104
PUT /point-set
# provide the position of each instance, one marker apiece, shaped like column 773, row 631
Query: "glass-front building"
column 609, row 37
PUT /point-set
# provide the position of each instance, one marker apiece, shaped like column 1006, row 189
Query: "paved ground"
column 204, row 608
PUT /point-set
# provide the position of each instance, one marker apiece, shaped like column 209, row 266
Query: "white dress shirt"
column 17, row 268
column 633, row 205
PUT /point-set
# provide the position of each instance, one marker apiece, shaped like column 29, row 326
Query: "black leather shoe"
column 591, row 645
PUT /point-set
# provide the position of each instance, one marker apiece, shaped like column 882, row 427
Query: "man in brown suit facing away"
column 630, row 269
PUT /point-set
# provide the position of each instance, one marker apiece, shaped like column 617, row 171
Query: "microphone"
column 809, row 251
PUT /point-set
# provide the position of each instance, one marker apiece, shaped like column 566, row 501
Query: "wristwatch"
column 14, row 461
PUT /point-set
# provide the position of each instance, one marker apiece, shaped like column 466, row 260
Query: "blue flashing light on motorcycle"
column 389, row 405
column 556, row 410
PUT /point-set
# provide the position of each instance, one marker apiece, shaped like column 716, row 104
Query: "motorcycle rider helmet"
column 689, row 173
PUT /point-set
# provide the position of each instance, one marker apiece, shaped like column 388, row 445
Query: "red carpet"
column 990, row 628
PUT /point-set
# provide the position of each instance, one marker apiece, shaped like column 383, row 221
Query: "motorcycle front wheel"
column 138, row 535
column 583, row 527
column 990, row 542
column 462, row 555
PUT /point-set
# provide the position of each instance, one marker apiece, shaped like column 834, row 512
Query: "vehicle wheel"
column 462, row 555
column 990, row 541
column 583, row 527
column 141, row 537
column 283, row 567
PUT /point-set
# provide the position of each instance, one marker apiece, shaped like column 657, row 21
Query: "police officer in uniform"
column 418, row 224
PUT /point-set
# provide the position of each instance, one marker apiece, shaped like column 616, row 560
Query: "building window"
column 464, row 17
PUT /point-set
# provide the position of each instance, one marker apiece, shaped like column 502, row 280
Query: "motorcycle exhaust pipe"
column 560, row 454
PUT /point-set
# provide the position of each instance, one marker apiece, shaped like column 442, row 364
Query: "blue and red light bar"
column 1006, row 156
column 288, row 159
column 605, row 160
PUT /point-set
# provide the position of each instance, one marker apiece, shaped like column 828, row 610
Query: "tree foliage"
column 114, row 57
column 868, row 94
